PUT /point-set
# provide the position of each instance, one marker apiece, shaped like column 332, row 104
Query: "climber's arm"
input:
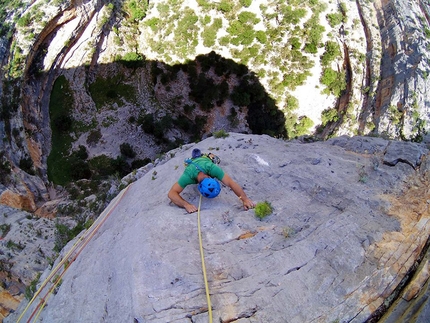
column 237, row 189
column 176, row 198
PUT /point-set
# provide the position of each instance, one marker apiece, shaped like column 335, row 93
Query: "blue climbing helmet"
column 209, row 188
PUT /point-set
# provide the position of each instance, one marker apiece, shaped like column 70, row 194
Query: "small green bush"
column 136, row 9
column 64, row 234
column 334, row 81
column 93, row 137
column 329, row 115
column 245, row 3
column 132, row 60
column 221, row 134
column 334, row 19
column 5, row 166
column 332, row 51
column 127, row 150
column 263, row 209
column 225, row 6
column 31, row 289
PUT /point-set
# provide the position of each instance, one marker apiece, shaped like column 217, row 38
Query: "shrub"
column 335, row 82
column 292, row 103
column 63, row 123
column 261, row 36
column 136, row 9
column 4, row 228
column 132, row 60
column 292, row 16
column 101, row 166
column 79, row 169
column 245, row 3
column 263, row 209
column 334, row 19
column 64, row 234
column 93, row 137
column 221, row 134
column 303, row 126
column 127, row 150
column 121, row 166
column 146, row 121
column 329, row 115
column 204, row 92
column 225, row 6
column 153, row 23
column 140, row 163
column 189, row 108
column 240, row 98
column 248, row 17
column 5, row 169
column 111, row 90
column 295, row 43
column 24, row 21
column 209, row 34
column 183, row 122
column 26, row 164
column 332, row 51
column 31, row 289
column 162, row 126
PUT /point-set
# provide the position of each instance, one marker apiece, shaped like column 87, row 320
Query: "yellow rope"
column 203, row 263
column 68, row 259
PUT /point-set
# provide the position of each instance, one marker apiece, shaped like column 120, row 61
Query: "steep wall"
column 386, row 93
column 350, row 220
column 404, row 69
column 384, row 54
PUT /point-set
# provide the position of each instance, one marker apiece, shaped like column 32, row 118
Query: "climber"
column 202, row 170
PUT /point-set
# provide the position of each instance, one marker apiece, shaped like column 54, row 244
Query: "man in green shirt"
column 196, row 172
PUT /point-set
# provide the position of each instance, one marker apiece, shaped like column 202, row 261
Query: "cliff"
column 92, row 91
column 350, row 220
column 376, row 51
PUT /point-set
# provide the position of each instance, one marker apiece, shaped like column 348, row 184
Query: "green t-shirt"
column 191, row 171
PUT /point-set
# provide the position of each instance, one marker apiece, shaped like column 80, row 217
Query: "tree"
column 127, row 150
column 329, row 115
column 136, row 9
column 334, row 81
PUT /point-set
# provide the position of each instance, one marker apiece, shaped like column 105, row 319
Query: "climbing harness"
column 208, row 299
column 65, row 263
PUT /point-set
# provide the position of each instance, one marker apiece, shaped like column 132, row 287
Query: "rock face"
column 350, row 219
column 384, row 56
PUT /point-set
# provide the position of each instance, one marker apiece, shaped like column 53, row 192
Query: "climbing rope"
column 208, row 299
column 67, row 260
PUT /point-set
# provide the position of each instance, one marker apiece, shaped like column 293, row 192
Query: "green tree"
column 329, row 115
column 334, row 19
column 225, row 6
column 303, row 126
column 261, row 36
column 246, row 3
column 332, row 51
column 136, row 9
column 127, row 150
column 335, row 82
